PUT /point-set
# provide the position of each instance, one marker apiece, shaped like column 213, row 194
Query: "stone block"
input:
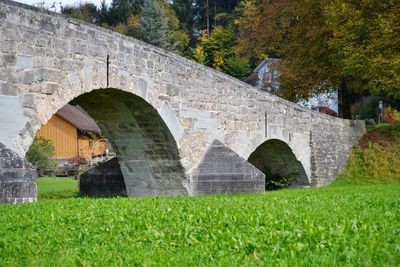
column 172, row 90
column 73, row 78
column 24, row 62
column 9, row 59
column 171, row 120
column 28, row 100
column 47, row 25
column 142, row 86
column 8, row 89
column 78, row 48
column 49, row 88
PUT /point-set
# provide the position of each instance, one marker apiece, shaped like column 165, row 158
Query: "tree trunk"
column 345, row 100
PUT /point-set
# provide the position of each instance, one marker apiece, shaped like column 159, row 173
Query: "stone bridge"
column 178, row 128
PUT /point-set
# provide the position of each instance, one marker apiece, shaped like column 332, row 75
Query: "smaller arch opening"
column 280, row 166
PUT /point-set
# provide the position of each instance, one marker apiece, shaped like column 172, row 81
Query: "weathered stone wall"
column 17, row 178
column 46, row 60
column 331, row 144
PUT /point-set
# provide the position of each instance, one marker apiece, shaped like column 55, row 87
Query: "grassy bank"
column 376, row 159
column 336, row 225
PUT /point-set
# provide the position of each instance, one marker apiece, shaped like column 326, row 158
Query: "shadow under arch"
column 279, row 164
column 146, row 150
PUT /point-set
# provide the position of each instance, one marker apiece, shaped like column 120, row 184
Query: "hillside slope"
column 377, row 157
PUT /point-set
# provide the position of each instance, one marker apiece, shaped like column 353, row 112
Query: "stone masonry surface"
column 47, row 60
column 17, row 178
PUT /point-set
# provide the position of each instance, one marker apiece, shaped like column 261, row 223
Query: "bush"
column 278, row 181
column 391, row 115
column 366, row 108
column 39, row 154
column 376, row 159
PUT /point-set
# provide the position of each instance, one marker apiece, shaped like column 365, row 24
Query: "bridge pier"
column 222, row 171
column 17, row 178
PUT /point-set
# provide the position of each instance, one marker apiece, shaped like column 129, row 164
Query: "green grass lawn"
column 353, row 222
column 56, row 187
column 339, row 225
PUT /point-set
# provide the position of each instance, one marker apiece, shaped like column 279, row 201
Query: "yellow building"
column 74, row 134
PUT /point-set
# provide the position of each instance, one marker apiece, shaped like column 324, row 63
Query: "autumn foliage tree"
column 344, row 45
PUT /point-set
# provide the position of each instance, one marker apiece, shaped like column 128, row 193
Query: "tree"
column 103, row 14
column 366, row 41
column 153, row 26
column 39, row 154
column 196, row 16
column 206, row 12
column 136, row 6
column 317, row 49
column 119, row 12
column 184, row 10
column 179, row 38
column 217, row 50
column 83, row 11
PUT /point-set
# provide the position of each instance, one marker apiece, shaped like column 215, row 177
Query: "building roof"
column 78, row 117
column 265, row 72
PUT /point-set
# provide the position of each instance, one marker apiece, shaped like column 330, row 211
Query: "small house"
column 75, row 135
column 266, row 77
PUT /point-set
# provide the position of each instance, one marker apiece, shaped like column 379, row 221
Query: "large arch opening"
column 147, row 158
column 280, row 166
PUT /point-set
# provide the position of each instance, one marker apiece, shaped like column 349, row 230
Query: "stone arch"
column 298, row 142
column 39, row 108
column 146, row 149
column 276, row 159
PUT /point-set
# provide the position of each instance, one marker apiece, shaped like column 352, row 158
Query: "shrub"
column 376, row 159
column 391, row 115
column 366, row 108
column 279, row 181
column 39, row 154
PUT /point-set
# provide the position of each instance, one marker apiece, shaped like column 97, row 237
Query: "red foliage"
column 389, row 116
column 376, row 137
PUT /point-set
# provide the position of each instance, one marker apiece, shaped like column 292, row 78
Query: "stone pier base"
column 222, row 171
column 105, row 179
column 17, row 178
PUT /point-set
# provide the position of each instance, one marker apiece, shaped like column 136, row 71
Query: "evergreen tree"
column 136, row 6
column 153, row 26
column 179, row 38
column 119, row 12
column 185, row 12
column 103, row 14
